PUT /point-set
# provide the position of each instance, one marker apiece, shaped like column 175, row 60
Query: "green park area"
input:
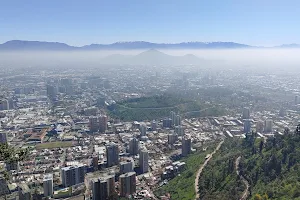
column 158, row 107
column 51, row 145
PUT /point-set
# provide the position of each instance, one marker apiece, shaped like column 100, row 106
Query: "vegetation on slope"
column 182, row 186
column 271, row 167
column 219, row 179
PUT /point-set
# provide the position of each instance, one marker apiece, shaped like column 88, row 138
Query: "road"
column 202, row 167
column 246, row 191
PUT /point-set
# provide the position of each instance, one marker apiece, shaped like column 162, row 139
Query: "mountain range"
column 15, row 45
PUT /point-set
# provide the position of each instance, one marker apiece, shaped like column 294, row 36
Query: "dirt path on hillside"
column 202, row 167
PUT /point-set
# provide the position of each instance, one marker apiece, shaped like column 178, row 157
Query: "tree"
column 258, row 197
column 265, row 197
column 9, row 154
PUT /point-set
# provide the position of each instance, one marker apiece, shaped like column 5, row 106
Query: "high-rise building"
column 167, row 123
column 127, row 184
column 173, row 116
column 186, row 146
column 100, row 189
column 51, row 91
column 260, row 126
column 247, row 126
column 179, row 130
column 126, row 166
column 268, row 125
column 143, row 129
column 296, row 100
column 95, row 161
column 102, row 123
column 3, row 137
column 172, row 138
column 246, row 113
column 144, row 160
column 93, row 124
column 24, row 192
column 153, row 125
column 72, row 175
column 133, row 146
column 111, row 184
column 65, row 81
column 112, row 155
column 48, row 185
column 177, row 120
column 282, row 112
column 4, row 104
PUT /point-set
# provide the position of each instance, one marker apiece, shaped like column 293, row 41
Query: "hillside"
column 271, row 168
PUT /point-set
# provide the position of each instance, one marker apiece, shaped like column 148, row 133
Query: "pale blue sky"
column 79, row 22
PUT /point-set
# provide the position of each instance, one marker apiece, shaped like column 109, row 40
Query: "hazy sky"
column 78, row 22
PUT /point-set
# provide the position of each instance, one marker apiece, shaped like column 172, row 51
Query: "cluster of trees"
column 9, row 155
column 271, row 167
column 219, row 179
column 157, row 107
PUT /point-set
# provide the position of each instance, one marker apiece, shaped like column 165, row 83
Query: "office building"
column 24, row 192
column 172, row 138
column 133, row 146
column 246, row 113
column 95, row 161
column 102, row 123
column 3, row 137
column 93, row 124
column 72, row 175
column 126, row 166
column 51, row 91
column 127, row 184
column 260, row 126
column 4, row 104
column 268, row 125
column 177, row 120
column 167, row 123
column 282, row 112
column 186, row 146
column 48, row 185
column 247, row 126
column 144, row 160
column 99, row 189
column 65, row 81
column 111, row 184
column 112, row 155
column 173, row 116
column 153, row 125
column 143, row 129
column 179, row 130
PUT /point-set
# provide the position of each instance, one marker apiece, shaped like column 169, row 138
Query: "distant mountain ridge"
column 152, row 57
column 38, row 45
column 53, row 46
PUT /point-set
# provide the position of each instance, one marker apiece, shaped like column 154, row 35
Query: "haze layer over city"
column 180, row 109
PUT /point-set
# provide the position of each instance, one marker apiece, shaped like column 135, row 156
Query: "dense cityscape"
column 127, row 131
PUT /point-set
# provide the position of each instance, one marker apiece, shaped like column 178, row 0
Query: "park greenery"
column 182, row 186
column 271, row 167
column 52, row 145
column 158, row 107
